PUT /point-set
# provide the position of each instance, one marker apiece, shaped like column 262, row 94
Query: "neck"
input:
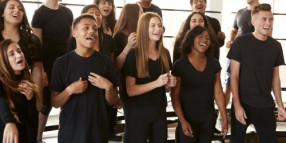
column 260, row 36
column 52, row 4
column 84, row 51
column 11, row 32
column 145, row 4
column 251, row 6
column 197, row 55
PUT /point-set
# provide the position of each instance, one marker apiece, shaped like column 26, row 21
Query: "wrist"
column 109, row 87
column 69, row 91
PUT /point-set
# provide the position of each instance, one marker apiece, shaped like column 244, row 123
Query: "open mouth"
column 20, row 62
column 90, row 38
column 203, row 44
column 15, row 15
column 106, row 10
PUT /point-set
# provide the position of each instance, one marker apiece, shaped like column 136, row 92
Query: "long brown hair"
column 128, row 19
column 142, row 46
column 25, row 30
column 9, row 81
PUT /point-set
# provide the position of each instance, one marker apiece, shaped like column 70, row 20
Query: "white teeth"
column 203, row 44
column 15, row 15
column 90, row 38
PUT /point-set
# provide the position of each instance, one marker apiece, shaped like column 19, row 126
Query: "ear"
column 74, row 33
column 253, row 22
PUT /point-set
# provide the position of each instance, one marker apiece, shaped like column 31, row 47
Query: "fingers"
column 188, row 133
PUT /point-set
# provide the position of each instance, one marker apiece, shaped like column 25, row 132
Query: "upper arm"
column 175, row 91
column 234, row 67
column 38, row 32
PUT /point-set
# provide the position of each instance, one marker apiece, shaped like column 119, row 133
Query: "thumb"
column 244, row 115
column 80, row 79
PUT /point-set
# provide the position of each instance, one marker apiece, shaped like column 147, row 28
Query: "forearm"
column 111, row 96
column 276, row 87
column 233, row 34
column 234, row 82
column 138, row 89
column 37, row 78
column 220, row 101
column 120, row 60
column 60, row 99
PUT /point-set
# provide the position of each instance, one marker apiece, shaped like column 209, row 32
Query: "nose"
column 18, row 55
column 16, row 9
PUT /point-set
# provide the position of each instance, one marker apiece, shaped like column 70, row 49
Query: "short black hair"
column 78, row 19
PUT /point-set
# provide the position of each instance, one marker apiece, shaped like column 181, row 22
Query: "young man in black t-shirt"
column 255, row 60
column 83, row 82
column 52, row 24
column 241, row 26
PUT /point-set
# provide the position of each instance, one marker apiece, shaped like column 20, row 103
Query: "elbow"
column 130, row 93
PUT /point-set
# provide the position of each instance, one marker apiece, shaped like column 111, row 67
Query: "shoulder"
column 155, row 7
column 108, row 37
column 65, row 8
column 213, row 60
column 274, row 42
column 131, row 54
column 212, row 19
column 181, row 60
column 64, row 57
column 119, row 35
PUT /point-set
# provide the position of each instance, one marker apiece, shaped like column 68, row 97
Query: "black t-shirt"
column 83, row 118
column 121, row 41
column 197, row 88
column 257, row 60
column 153, row 98
column 32, row 53
column 153, row 8
column 56, row 26
column 242, row 22
column 27, row 113
column 106, row 47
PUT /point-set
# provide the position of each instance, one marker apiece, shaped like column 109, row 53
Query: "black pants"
column 145, row 123
column 263, row 120
column 202, row 126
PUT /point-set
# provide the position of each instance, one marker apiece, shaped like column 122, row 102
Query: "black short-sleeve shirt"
column 197, row 87
column 257, row 60
column 154, row 98
column 56, row 26
column 83, row 118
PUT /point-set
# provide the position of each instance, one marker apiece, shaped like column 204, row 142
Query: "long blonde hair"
column 9, row 81
column 142, row 46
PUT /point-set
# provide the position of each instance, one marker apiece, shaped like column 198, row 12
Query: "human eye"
column 21, row 8
column 19, row 50
column 11, row 53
